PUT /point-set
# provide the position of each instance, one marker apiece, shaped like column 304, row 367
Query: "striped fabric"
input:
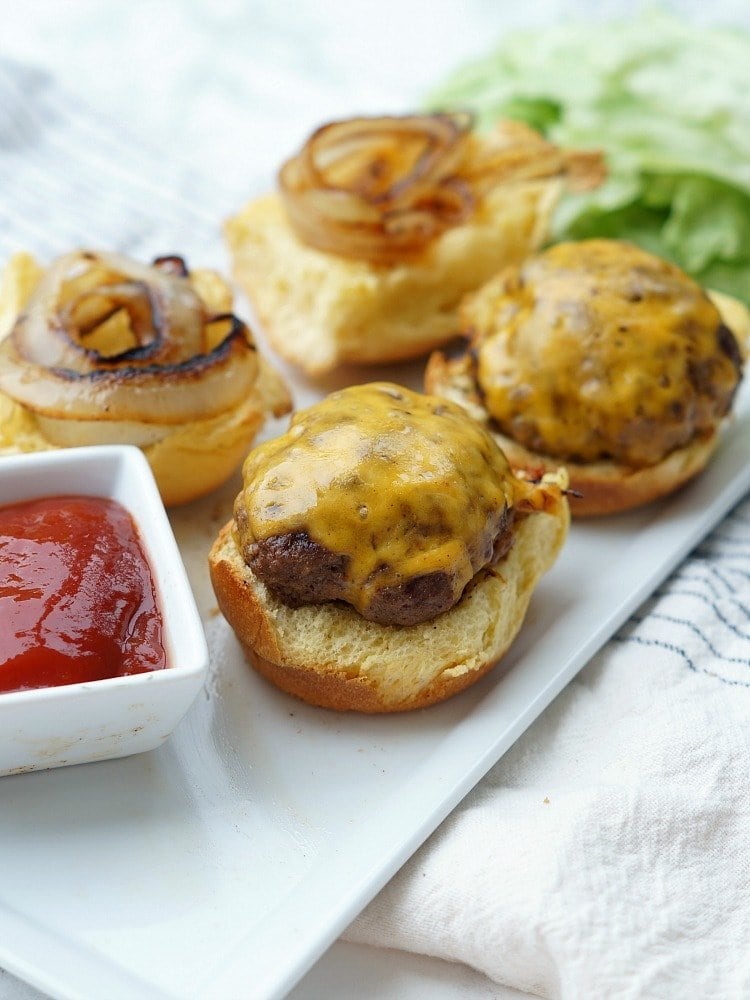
column 69, row 178
column 606, row 855
column 701, row 616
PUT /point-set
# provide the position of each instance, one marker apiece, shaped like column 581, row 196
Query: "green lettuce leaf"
column 667, row 101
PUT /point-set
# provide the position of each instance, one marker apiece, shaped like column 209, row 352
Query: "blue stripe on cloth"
column 706, row 627
column 674, row 647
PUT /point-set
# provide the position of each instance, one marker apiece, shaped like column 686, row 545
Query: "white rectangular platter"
column 224, row 863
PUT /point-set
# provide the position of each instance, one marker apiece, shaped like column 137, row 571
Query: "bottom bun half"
column 328, row 655
column 188, row 460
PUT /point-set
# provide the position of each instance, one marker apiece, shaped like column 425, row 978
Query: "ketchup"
column 77, row 598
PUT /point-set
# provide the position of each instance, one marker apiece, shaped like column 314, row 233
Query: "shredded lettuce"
column 668, row 101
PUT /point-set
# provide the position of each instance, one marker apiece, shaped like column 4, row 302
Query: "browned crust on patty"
column 326, row 684
column 605, row 487
column 484, row 623
column 298, row 570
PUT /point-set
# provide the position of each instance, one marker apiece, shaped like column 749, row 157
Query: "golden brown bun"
column 330, row 656
column 606, row 487
column 192, row 459
column 199, row 457
column 320, row 311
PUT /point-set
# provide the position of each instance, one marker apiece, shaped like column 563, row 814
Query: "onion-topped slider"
column 382, row 554
column 381, row 224
column 602, row 357
column 101, row 349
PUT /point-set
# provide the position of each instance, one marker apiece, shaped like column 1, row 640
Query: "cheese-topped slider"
column 382, row 554
column 604, row 358
column 380, row 226
column 101, row 349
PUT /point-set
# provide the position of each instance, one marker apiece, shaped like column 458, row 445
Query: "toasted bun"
column 605, row 487
column 330, row 656
column 320, row 311
column 199, row 457
column 189, row 461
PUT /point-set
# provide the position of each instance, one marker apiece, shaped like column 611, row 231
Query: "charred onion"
column 105, row 338
column 378, row 189
column 382, row 189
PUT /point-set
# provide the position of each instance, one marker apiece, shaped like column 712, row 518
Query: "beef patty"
column 298, row 571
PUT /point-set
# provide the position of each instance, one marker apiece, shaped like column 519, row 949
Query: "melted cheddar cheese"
column 599, row 350
column 402, row 484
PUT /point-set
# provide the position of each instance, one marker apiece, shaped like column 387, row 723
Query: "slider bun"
column 188, row 460
column 198, row 457
column 328, row 655
column 320, row 311
column 605, row 487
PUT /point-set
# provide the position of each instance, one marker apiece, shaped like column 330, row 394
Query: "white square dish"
column 118, row 716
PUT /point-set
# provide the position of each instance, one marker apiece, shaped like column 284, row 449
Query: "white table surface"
column 233, row 86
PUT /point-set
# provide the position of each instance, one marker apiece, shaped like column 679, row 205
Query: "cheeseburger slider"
column 380, row 225
column 382, row 554
column 603, row 358
column 101, row 349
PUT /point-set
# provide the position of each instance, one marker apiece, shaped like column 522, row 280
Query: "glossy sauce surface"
column 403, row 484
column 77, row 597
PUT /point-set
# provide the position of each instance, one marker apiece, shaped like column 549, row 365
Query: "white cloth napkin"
column 607, row 854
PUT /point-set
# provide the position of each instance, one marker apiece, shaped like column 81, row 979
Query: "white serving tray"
column 224, row 863
column 117, row 716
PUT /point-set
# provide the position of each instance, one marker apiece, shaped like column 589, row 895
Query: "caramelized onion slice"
column 378, row 189
column 174, row 369
column 513, row 151
column 74, row 433
column 382, row 189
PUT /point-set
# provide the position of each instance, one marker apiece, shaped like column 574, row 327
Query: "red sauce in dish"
column 77, row 598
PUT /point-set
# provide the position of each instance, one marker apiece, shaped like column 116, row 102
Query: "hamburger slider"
column 601, row 357
column 98, row 348
column 380, row 225
column 382, row 553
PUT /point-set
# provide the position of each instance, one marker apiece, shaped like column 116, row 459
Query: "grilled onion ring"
column 381, row 189
column 378, row 189
column 514, row 152
column 173, row 374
